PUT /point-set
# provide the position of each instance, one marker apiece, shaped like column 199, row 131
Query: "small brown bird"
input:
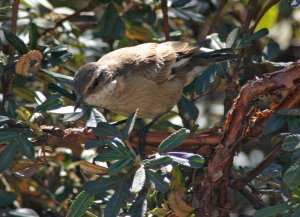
column 149, row 77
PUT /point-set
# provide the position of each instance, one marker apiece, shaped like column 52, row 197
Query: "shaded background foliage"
column 67, row 34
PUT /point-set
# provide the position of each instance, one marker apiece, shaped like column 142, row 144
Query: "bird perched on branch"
column 149, row 77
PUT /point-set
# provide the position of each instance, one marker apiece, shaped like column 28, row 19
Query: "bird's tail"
column 209, row 56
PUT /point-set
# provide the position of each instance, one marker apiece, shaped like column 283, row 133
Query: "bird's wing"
column 155, row 61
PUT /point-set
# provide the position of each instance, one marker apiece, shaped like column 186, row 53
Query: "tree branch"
column 166, row 27
column 235, row 128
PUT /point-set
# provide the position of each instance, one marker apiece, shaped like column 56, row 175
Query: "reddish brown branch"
column 218, row 170
column 166, row 27
column 74, row 137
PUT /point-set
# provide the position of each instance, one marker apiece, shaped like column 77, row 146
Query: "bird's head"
column 85, row 78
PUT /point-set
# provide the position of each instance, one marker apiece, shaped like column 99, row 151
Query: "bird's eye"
column 95, row 83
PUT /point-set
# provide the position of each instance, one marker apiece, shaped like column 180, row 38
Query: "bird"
column 149, row 77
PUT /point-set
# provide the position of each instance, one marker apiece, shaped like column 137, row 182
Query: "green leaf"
column 273, row 210
column 292, row 142
column 81, row 204
column 33, row 36
column 174, row 140
column 7, row 156
column 249, row 38
column 138, row 180
column 3, row 120
column 205, row 79
column 274, row 123
column 65, row 79
column 129, row 124
column 111, row 25
column 233, row 37
column 26, row 146
column 102, row 184
column 53, row 101
column 294, row 124
column 117, row 200
column 95, row 143
column 158, row 181
column 15, row 41
column 105, row 129
column 7, row 198
column 187, row 159
column 109, row 156
column 139, row 206
column 6, row 136
column 188, row 110
column 158, row 162
column 292, row 176
column 271, row 51
column 119, row 165
column 60, row 90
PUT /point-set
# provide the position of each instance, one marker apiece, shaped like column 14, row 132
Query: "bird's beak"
column 78, row 102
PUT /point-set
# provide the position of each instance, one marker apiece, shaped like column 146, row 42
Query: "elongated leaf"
column 81, row 204
column 3, row 120
column 59, row 77
column 274, row 123
column 139, row 207
column 109, row 156
column 138, row 180
column 7, row 198
column 173, row 140
column 54, row 101
column 158, row 181
column 105, row 129
column 58, row 89
column 232, row 37
column 273, row 210
column 15, row 41
column 26, row 146
column 119, row 165
column 129, row 124
column 192, row 160
column 292, row 142
column 249, row 38
column 206, row 79
column 120, row 147
column 33, row 36
column 117, row 200
column 158, row 162
column 7, row 156
column 102, row 184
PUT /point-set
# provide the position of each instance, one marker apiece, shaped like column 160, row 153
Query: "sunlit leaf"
column 129, row 124
column 53, row 101
column 119, row 165
column 138, row 180
column 158, row 162
column 174, row 140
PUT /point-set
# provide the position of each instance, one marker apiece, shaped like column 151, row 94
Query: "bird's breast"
column 128, row 93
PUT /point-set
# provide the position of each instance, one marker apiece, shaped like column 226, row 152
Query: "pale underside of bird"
column 149, row 77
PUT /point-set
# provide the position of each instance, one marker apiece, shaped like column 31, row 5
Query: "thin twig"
column 242, row 182
column 166, row 27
